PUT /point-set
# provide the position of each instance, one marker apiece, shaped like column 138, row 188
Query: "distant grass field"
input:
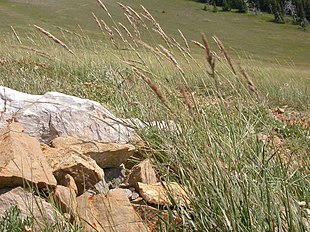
column 246, row 35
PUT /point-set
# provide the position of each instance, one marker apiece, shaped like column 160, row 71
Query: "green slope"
column 243, row 34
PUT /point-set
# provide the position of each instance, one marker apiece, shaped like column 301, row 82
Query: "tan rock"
column 159, row 193
column 29, row 205
column 106, row 155
column 69, row 182
column 109, row 213
column 84, row 170
column 21, row 160
column 65, row 199
column 142, row 172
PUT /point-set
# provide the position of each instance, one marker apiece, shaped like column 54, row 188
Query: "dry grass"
column 236, row 182
column 58, row 41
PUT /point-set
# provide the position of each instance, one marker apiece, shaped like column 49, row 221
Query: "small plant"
column 214, row 9
column 13, row 221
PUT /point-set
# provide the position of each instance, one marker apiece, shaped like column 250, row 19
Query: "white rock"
column 55, row 114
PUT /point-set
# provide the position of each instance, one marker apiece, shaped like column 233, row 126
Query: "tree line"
column 297, row 11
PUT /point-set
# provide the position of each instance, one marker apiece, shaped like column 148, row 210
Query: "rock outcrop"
column 161, row 193
column 65, row 199
column 29, row 205
column 142, row 172
column 106, row 155
column 84, row 170
column 55, row 114
column 22, row 162
column 75, row 153
column 112, row 212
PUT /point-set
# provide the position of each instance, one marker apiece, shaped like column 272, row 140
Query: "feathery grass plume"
column 185, row 99
column 157, row 26
column 181, row 49
column 107, row 28
column 53, row 38
column 170, row 57
column 184, row 39
column 126, row 30
column 250, row 83
column 222, row 49
column 161, row 53
column 135, row 13
column 162, row 35
column 104, row 8
column 139, row 56
column 97, row 21
column 140, row 19
column 109, row 31
column 16, row 36
column 120, row 34
column 130, row 20
column 71, row 32
column 133, row 25
column 148, row 15
column 154, row 87
column 124, row 7
column 155, row 52
column 198, row 44
column 210, row 57
column 148, row 18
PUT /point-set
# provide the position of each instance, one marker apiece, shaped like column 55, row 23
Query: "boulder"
column 65, row 199
column 22, row 162
column 55, row 114
column 29, row 205
column 101, row 187
column 84, row 170
column 142, row 172
column 69, row 182
column 161, row 193
column 112, row 212
column 106, row 155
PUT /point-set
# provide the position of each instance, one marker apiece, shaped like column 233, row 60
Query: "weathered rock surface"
column 55, row 114
column 84, row 170
column 21, row 160
column 159, row 193
column 29, row 205
column 106, row 155
column 69, row 182
column 142, row 172
column 109, row 213
column 65, row 199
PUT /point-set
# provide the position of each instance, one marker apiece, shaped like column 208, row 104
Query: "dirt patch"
column 291, row 117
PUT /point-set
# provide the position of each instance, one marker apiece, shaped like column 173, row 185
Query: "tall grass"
column 235, row 180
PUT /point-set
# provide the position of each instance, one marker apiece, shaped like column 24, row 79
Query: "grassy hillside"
column 244, row 35
column 241, row 141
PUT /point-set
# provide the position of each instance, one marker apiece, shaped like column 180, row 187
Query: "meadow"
column 239, row 99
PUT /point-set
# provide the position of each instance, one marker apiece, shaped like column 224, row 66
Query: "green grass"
column 235, row 181
column 243, row 34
